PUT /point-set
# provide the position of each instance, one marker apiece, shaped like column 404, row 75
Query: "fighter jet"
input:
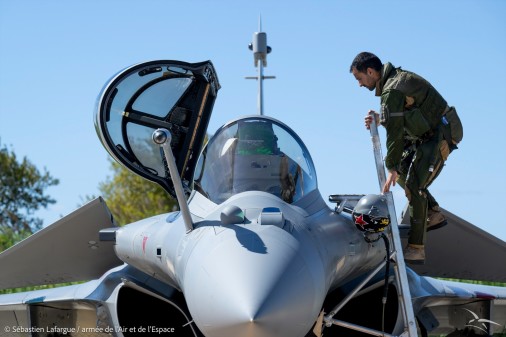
column 254, row 249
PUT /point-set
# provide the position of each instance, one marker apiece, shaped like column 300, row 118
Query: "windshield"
column 255, row 154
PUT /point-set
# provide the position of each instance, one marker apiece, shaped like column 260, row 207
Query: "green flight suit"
column 411, row 111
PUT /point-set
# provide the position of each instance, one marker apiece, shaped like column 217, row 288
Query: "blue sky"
column 55, row 56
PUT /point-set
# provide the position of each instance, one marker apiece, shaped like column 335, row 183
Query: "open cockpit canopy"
column 174, row 95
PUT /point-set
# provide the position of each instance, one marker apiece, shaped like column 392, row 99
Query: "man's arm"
column 392, row 106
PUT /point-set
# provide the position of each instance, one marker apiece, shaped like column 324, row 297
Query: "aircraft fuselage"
column 268, row 274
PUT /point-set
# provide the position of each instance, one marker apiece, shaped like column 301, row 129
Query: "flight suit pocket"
column 415, row 123
column 444, row 150
column 456, row 129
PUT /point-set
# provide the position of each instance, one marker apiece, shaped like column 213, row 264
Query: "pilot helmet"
column 371, row 213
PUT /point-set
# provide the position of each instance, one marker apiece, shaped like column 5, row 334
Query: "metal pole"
column 376, row 144
column 163, row 138
column 401, row 276
column 260, row 76
column 360, row 328
column 260, row 89
column 351, row 294
column 260, row 50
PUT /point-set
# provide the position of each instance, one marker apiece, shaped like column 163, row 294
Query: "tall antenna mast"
column 260, row 50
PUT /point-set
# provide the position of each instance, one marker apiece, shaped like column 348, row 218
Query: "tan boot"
column 435, row 220
column 414, row 254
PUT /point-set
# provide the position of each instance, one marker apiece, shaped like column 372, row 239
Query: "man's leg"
column 418, row 216
column 414, row 162
column 418, row 178
column 436, row 219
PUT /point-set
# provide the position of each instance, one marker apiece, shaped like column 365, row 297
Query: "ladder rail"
column 400, row 268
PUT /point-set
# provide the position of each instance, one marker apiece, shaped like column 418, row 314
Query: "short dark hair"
column 366, row 60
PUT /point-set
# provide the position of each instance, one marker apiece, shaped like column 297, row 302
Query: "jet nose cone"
column 253, row 284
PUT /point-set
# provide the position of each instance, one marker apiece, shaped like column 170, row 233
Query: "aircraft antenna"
column 260, row 50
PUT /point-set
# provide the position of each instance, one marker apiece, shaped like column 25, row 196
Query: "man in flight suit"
column 412, row 112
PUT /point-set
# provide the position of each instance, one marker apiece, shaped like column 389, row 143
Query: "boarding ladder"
column 396, row 255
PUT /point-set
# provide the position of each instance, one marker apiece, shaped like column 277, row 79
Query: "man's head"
column 366, row 67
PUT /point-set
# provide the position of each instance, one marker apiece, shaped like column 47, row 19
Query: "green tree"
column 131, row 197
column 22, row 193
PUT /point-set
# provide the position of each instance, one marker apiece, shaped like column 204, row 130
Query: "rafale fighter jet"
column 254, row 249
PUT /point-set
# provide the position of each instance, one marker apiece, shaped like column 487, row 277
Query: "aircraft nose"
column 253, row 284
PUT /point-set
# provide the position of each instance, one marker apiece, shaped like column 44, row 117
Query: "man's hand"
column 368, row 119
column 391, row 179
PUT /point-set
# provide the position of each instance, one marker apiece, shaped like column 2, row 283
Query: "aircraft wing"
column 443, row 306
column 122, row 300
column 460, row 250
column 65, row 251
